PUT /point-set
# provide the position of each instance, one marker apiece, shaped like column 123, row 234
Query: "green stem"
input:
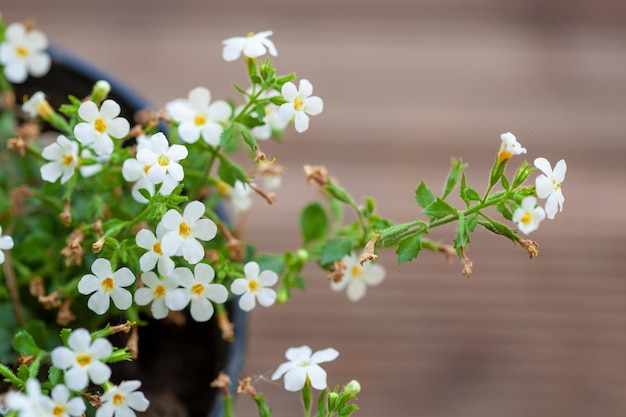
column 306, row 397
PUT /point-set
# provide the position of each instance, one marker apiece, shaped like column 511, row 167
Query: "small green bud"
column 302, row 255
column 352, row 388
column 100, row 91
column 333, row 399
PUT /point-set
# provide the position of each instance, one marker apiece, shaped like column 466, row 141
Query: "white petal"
column 314, row 105
column 99, row 372
column 217, row 293
column 324, row 355
column 189, row 132
column 301, row 121
column 204, row 229
column 143, row 296
column 266, row 297
column 305, row 88
column 356, row 290
column 201, row 309
column 51, row 171
column 88, row 111
column 298, row 354
column 559, row 171
column 62, row 357
column 239, row 286
column 251, row 270
column 76, row 379
column 123, row 277
column 247, row 302
column 544, row 165
column 193, row 251
column 199, row 98
column 99, row 302
column 268, row 278
column 285, row 112
column 177, row 299
column 289, row 91
column 118, row 127
column 233, row 48
column 295, row 379
column 374, row 274
column 109, row 110
column 101, row 267
column 121, row 298
column 193, row 211
column 317, row 376
column 282, row 369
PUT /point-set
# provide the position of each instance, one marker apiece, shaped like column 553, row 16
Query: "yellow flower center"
column 253, row 286
column 556, row 185
column 163, row 160
column 99, row 125
column 298, row 104
column 159, row 291
column 107, row 284
column 184, row 229
column 197, row 289
column 118, row 399
column 67, row 160
column 83, row 359
column 21, row 51
column 356, row 271
column 199, row 120
column 146, row 168
column 527, row 218
column 59, row 410
column 156, row 248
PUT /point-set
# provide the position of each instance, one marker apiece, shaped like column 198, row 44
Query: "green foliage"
column 423, row 195
column 24, row 343
column 335, row 249
column 409, row 248
column 314, row 223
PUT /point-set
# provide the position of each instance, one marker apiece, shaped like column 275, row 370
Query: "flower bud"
column 352, row 388
column 100, row 91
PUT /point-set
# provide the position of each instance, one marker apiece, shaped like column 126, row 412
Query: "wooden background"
column 407, row 84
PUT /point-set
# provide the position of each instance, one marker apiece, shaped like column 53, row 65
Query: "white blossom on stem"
column 121, row 400
column 23, row 52
column 197, row 288
column 528, row 215
column 182, row 232
column 82, row 360
column 154, row 291
column 252, row 46
column 548, row 185
column 161, row 159
column 6, row 243
column 100, row 125
column 145, row 239
column 63, row 157
column 300, row 104
column 197, row 116
column 106, row 285
column 303, row 365
column 255, row 286
column 509, row 147
column 357, row 277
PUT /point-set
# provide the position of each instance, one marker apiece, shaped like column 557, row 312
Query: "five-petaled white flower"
column 356, row 278
column 36, row 404
column 197, row 289
column 100, row 126
column 63, row 156
column 122, row 399
column 133, row 170
column 303, row 366
column 36, row 105
column 154, row 291
column 160, row 159
column 509, row 147
column 300, row 103
column 548, row 185
column 183, row 230
column 82, row 359
column 255, row 287
column 145, row 239
column 106, row 285
column 23, row 52
column 197, row 116
column 528, row 215
column 271, row 119
column 253, row 46
column 6, row 243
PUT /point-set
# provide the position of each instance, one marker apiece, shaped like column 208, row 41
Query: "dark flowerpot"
column 176, row 364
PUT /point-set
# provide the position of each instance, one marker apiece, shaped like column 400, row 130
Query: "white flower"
column 145, row 239
column 548, row 185
column 35, row 404
column 106, row 285
column 356, row 278
column 121, row 400
column 271, row 118
column 133, row 170
column 300, row 103
column 303, row 365
column 509, row 147
column 162, row 159
column 198, row 289
column 34, row 105
column 63, row 156
column 182, row 232
column 240, row 196
column 100, row 125
column 154, row 291
column 6, row 243
column 23, row 52
column 82, row 359
column 529, row 215
column 253, row 46
column 197, row 117
column 254, row 287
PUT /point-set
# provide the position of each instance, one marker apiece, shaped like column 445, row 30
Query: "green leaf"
column 230, row 172
column 505, row 182
column 23, row 372
column 522, row 174
column 453, row 177
column 423, row 195
column 38, row 330
column 468, row 194
column 335, row 249
column 409, row 248
column 462, row 238
column 54, row 375
column 24, row 343
column 503, row 209
column 247, row 137
column 274, row 263
column 229, row 139
column 439, row 209
column 499, row 228
column 313, row 222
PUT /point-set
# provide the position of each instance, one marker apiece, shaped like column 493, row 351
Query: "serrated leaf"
column 423, row 195
column 248, row 138
column 24, row 343
column 468, row 194
column 453, row 177
column 500, row 229
column 313, row 222
column 230, row 172
column 229, row 139
column 409, row 248
column 335, row 249
column 503, row 209
column 54, row 375
column 439, row 209
column 462, row 239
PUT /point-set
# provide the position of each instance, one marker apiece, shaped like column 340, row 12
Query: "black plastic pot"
column 176, row 363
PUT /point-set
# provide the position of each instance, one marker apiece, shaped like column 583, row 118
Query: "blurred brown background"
column 406, row 85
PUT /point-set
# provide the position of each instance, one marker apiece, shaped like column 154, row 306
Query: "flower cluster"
column 107, row 213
